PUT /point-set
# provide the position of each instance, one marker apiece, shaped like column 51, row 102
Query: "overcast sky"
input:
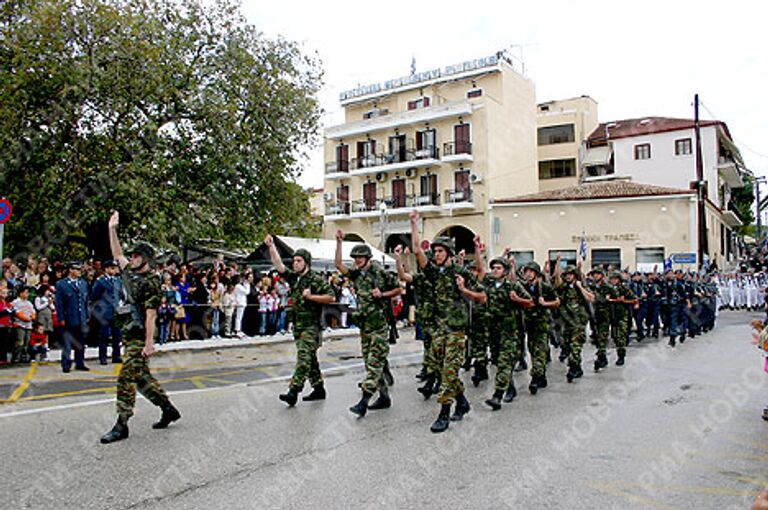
column 635, row 59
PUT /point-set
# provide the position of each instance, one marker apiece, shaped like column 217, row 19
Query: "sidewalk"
column 92, row 353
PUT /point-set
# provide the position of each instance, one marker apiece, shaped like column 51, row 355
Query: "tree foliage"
column 743, row 202
column 177, row 113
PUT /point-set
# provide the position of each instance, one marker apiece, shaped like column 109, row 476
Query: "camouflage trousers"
column 479, row 341
column 430, row 363
column 603, row 326
column 448, row 350
column 506, row 339
column 134, row 375
column 375, row 348
column 307, row 367
column 538, row 345
column 622, row 326
column 574, row 337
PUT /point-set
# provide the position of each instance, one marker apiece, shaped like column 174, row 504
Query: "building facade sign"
column 434, row 74
column 607, row 238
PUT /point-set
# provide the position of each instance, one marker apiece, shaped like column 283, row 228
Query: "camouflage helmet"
column 597, row 269
column 501, row 261
column 533, row 266
column 570, row 269
column 301, row 252
column 361, row 250
column 445, row 242
column 144, row 249
column 615, row 274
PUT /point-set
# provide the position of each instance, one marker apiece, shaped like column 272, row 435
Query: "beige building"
column 625, row 224
column 443, row 142
column 563, row 126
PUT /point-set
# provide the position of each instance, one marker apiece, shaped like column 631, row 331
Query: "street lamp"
column 383, row 223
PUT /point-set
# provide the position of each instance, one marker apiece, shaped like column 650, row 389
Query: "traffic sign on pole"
column 6, row 210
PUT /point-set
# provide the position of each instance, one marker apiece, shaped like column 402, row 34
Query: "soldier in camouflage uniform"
column 602, row 291
column 574, row 299
column 375, row 288
column 137, row 318
column 622, row 299
column 538, row 323
column 309, row 292
column 504, row 297
column 477, row 332
column 453, row 286
column 425, row 299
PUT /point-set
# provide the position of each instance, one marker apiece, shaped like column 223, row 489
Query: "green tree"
column 743, row 203
column 177, row 113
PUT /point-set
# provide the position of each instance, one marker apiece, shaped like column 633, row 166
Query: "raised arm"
column 558, row 271
column 407, row 260
column 479, row 258
column 402, row 274
column 276, row 261
column 339, row 264
column 588, row 295
column 421, row 257
column 114, row 240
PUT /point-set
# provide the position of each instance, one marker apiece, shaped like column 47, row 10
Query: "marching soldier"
column 143, row 291
column 309, row 292
column 375, row 288
column 453, row 286
column 602, row 291
column 622, row 299
column 503, row 297
column 652, row 290
column 640, row 310
column 479, row 338
column 538, row 323
column 574, row 302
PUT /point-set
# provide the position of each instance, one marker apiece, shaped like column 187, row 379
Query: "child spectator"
column 6, row 325
column 263, row 311
column 228, row 302
column 166, row 313
column 23, row 319
column 215, row 301
column 38, row 343
column 44, row 307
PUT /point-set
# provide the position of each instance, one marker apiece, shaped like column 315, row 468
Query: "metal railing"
column 456, row 148
column 337, row 207
column 362, row 205
column 458, row 196
column 386, row 158
column 336, row 166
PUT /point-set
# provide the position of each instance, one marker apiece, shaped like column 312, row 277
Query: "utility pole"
column 758, row 180
column 700, row 187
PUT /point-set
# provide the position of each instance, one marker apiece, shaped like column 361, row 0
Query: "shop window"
column 605, row 257
column 567, row 258
column 522, row 257
column 647, row 258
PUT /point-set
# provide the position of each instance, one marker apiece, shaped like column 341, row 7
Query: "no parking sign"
column 6, row 210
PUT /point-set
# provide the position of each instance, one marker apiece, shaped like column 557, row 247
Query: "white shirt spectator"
column 242, row 290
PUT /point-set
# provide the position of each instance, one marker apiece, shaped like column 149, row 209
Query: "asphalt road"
column 674, row 429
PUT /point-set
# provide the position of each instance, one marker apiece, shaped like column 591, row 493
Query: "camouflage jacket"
column 501, row 310
column 601, row 291
column 371, row 312
column 573, row 304
column 451, row 308
column 621, row 290
column 306, row 314
column 538, row 313
column 143, row 293
column 425, row 299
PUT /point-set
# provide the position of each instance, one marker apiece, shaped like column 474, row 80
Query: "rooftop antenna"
column 413, row 65
column 521, row 58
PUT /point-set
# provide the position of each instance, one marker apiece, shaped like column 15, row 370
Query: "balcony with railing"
column 458, row 199
column 372, row 207
column 729, row 172
column 336, row 169
column 457, row 152
column 383, row 162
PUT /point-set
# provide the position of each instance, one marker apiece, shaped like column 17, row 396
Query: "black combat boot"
column 170, row 415
column 511, row 392
column 672, row 341
column 422, row 375
column 383, row 402
column 291, row 397
column 564, row 353
column 481, row 373
column 765, row 417
column 388, row 377
column 118, row 432
column 462, row 407
column 542, row 382
column 443, row 419
column 682, row 338
column 495, row 401
column 317, row 393
column 522, row 366
column 620, row 361
column 571, row 375
column 426, row 390
column 361, row 407
column 533, row 387
column 578, row 372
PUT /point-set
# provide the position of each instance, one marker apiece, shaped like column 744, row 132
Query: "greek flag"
column 583, row 246
column 667, row 264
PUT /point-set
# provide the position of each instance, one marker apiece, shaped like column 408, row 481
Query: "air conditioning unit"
column 328, row 197
column 381, row 177
column 475, row 178
column 410, row 173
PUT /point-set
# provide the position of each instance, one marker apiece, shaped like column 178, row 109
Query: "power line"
column 738, row 141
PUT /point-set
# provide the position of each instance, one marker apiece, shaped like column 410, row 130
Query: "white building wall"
column 665, row 168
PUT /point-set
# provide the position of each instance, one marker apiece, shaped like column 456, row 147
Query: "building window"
column 428, row 194
column 376, row 112
column 647, row 258
column 557, row 168
column 683, row 147
column 474, row 93
column 604, row 257
column 426, row 144
column 369, row 195
column 418, row 103
column 342, row 158
column 342, row 199
column 366, row 154
column 556, row 134
column 461, row 137
column 522, row 257
column 643, row 151
column 398, row 193
column 567, row 258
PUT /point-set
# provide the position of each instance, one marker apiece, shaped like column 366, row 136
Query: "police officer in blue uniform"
column 107, row 296
column 73, row 309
